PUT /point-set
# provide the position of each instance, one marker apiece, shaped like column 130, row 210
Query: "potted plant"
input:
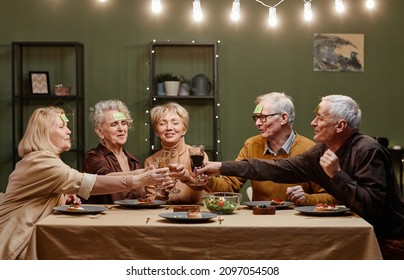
column 162, row 78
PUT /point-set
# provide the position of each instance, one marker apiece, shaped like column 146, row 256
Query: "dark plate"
column 309, row 210
column 134, row 203
column 285, row 204
column 181, row 217
column 88, row 209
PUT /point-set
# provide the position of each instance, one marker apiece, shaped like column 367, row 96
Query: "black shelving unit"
column 64, row 64
column 189, row 59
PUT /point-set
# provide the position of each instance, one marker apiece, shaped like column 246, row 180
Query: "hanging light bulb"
column 339, row 6
column 235, row 10
column 272, row 18
column 102, row 1
column 197, row 11
column 370, row 4
column 156, row 6
column 308, row 14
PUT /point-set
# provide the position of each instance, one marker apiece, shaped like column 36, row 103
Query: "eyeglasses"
column 263, row 118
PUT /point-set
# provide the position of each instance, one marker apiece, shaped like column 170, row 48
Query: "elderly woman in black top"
column 112, row 121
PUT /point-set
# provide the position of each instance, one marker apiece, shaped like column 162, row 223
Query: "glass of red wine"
column 197, row 154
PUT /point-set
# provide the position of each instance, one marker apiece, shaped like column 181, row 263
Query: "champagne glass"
column 160, row 161
column 197, row 154
column 172, row 165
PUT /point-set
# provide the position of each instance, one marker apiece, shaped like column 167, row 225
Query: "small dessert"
column 145, row 200
column 263, row 209
column 194, row 214
column 277, row 201
column 186, row 208
column 75, row 207
column 325, row 207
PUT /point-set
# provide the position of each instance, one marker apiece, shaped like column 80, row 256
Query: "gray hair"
column 280, row 102
column 97, row 113
column 344, row 107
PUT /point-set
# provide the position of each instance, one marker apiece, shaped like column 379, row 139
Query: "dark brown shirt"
column 366, row 183
column 102, row 161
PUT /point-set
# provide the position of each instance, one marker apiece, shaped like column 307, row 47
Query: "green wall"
column 254, row 59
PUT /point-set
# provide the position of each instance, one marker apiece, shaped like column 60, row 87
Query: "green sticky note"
column 258, row 109
column 64, row 118
column 118, row 116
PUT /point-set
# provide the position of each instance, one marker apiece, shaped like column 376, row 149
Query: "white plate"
column 87, row 209
column 285, row 204
column 182, row 217
column 134, row 203
column 309, row 210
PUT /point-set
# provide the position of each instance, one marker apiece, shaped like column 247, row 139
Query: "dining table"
column 124, row 233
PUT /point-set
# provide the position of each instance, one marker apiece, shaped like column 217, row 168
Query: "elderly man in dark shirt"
column 352, row 167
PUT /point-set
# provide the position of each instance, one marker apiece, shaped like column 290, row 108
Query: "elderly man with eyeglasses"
column 353, row 167
column 273, row 116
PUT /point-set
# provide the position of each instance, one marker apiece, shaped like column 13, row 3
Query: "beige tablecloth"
column 124, row 234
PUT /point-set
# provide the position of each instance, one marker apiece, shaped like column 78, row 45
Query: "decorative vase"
column 184, row 90
column 160, row 89
column 172, row 87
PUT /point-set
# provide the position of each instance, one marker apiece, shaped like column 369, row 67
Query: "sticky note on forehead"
column 118, row 116
column 258, row 109
column 64, row 118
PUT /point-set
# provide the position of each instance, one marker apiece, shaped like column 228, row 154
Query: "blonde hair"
column 39, row 128
column 156, row 113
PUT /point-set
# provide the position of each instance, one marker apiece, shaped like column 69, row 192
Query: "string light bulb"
column 370, row 4
column 339, row 6
column 308, row 14
column 235, row 10
column 156, row 6
column 272, row 18
column 197, row 10
column 102, row 1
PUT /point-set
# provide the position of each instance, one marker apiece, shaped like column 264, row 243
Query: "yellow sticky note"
column 64, row 118
column 258, row 109
column 118, row 116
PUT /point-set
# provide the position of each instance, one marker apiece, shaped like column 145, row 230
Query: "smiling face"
column 113, row 131
column 323, row 124
column 60, row 134
column 170, row 129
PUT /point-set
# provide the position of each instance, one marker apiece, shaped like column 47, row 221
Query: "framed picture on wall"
column 39, row 82
column 339, row 52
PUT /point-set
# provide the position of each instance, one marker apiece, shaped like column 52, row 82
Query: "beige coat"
column 35, row 186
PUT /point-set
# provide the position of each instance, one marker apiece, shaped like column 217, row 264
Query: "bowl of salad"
column 222, row 203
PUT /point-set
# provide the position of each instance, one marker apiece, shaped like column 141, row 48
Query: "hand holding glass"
column 197, row 154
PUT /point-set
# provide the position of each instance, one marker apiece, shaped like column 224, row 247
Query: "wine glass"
column 197, row 154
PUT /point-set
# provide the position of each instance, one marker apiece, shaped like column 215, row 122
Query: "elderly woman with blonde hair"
column 170, row 123
column 41, row 180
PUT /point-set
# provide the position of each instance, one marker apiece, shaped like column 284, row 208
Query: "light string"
column 235, row 14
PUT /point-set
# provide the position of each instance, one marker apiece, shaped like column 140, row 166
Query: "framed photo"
column 39, row 82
